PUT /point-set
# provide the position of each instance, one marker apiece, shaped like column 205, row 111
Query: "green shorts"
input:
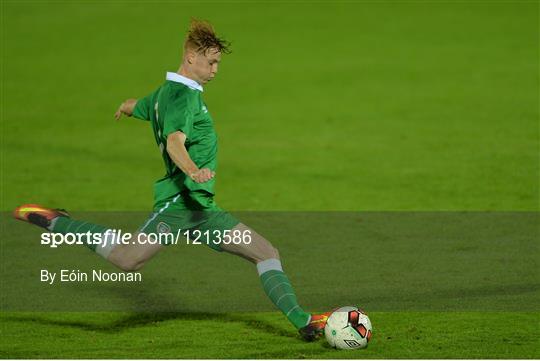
column 190, row 217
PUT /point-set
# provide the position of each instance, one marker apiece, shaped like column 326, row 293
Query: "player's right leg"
column 275, row 281
column 128, row 257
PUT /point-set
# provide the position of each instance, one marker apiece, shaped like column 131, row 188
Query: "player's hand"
column 125, row 108
column 202, row 175
column 118, row 113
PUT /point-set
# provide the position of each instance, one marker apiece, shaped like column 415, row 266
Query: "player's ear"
column 190, row 56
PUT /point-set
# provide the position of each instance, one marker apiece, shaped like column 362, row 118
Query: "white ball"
column 348, row 328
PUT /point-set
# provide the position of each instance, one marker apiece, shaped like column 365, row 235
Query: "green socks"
column 278, row 288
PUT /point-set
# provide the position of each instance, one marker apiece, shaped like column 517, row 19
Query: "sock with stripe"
column 278, row 288
column 68, row 225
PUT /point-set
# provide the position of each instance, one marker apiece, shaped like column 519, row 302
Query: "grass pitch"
column 321, row 107
column 265, row 335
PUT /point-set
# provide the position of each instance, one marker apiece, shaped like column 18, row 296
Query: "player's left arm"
column 180, row 156
column 126, row 108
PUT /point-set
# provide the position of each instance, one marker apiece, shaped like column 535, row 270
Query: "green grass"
column 266, row 335
column 328, row 106
column 325, row 106
column 436, row 286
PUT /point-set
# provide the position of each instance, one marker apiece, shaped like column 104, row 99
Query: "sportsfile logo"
column 113, row 237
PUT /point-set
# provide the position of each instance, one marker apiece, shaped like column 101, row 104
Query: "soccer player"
column 184, row 197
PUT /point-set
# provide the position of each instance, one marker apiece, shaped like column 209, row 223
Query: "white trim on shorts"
column 141, row 230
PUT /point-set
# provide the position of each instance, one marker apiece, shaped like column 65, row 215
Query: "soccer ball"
column 348, row 328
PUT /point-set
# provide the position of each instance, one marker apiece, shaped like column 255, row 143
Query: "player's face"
column 205, row 66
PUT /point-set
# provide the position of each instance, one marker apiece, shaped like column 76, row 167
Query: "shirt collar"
column 182, row 79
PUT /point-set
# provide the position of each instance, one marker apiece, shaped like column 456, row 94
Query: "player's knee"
column 126, row 266
column 129, row 265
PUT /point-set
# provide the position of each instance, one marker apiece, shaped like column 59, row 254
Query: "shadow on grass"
column 144, row 306
column 141, row 319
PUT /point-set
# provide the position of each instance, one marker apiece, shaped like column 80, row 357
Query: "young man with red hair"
column 184, row 197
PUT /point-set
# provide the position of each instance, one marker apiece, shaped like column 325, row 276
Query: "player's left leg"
column 128, row 257
column 275, row 282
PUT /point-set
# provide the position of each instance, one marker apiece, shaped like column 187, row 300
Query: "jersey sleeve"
column 143, row 108
column 179, row 117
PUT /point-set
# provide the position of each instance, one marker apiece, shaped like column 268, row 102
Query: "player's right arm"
column 126, row 108
column 142, row 108
column 179, row 155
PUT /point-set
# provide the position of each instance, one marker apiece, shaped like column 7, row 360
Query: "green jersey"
column 177, row 105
